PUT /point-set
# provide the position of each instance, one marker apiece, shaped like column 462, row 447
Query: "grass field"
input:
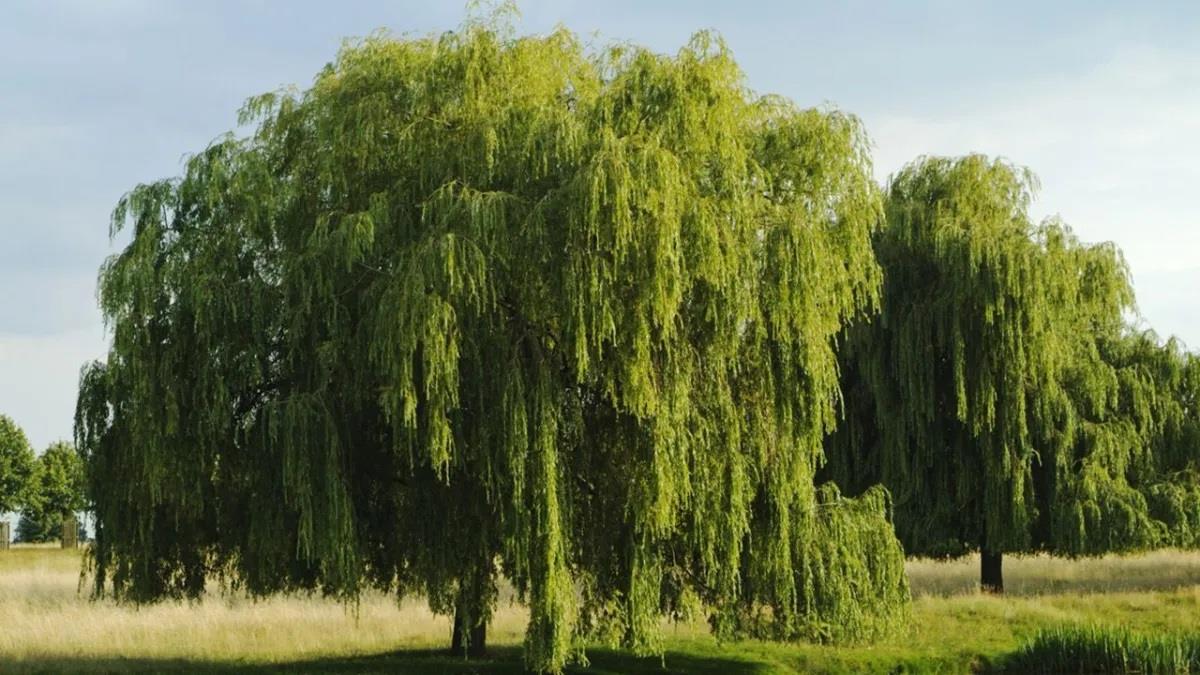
column 47, row 625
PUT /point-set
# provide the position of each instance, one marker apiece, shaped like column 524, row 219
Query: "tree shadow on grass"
column 500, row 661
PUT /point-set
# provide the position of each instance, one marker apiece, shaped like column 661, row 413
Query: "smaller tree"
column 988, row 395
column 34, row 529
column 39, row 528
column 56, row 490
column 1166, row 380
column 16, row 466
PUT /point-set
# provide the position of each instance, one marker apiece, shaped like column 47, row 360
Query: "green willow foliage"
column 1162, row 393
column 992, row 395
column 476, row 304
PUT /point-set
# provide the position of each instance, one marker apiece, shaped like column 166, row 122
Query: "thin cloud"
column 1114, row 150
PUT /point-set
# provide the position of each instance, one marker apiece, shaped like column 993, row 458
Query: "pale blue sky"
column 1102, row 100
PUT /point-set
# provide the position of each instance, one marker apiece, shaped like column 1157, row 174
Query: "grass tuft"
column 1106, row 649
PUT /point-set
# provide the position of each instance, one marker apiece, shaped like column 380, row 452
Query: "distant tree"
column 60, row 479
column 35, row 529
column 39, row 528
column 56, row 490
column 1163, row 381
column 477, row 304
column 16, row 466
column 980, row 395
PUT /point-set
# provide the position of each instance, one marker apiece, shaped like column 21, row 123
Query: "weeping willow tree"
column 1098, row 455
column 1160, row 390
column 475, row 304
column 985, row 395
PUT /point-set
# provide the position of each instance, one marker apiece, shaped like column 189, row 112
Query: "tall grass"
column 1026, row 575
column 1106, row 649
column 46, row 614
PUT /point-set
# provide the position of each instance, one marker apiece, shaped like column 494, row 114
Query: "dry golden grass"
column 44, row 614
column 1042, row 574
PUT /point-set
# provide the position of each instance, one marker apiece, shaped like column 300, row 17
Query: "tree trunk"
column 991, row 574
column 475, row 646
column 472, row 611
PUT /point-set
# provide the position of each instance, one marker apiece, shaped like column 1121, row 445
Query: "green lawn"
column 47, row 626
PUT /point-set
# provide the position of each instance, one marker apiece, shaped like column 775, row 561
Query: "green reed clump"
column 1105, row 649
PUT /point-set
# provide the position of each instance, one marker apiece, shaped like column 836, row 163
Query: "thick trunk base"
column 991, row 572
column 468, row 642
column 472, row 610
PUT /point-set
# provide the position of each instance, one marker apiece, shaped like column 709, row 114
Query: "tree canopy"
column 992, row 394
column 1160, row 395
column 477, row 304
column 16, row 465
column 55, row 491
